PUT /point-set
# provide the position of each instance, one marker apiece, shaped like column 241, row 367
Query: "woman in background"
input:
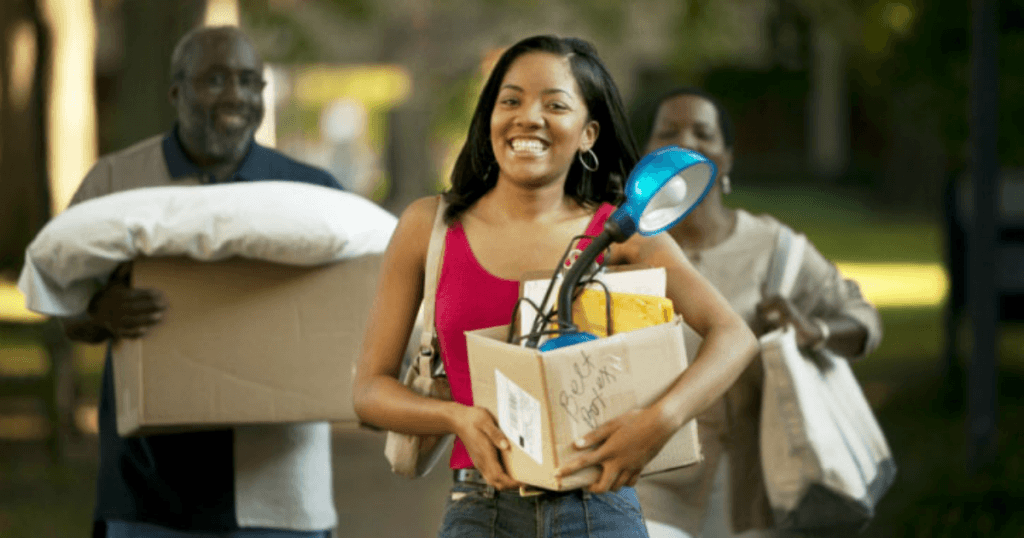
column 725, row 494
column 545, row 159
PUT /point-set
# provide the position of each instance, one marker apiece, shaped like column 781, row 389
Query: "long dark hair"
column 476, row 170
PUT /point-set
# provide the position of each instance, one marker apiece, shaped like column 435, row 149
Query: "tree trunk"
column 24, row 191
column 132, row 93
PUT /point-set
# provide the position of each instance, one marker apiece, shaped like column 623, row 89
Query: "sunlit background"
column 851, row 127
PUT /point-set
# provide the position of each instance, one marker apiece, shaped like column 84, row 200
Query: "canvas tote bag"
column 825, row 459
column 410, row 455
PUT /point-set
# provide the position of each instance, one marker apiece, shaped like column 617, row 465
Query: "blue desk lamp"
column 665, row 185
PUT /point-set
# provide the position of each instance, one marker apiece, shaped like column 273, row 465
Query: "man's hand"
column 117, row 311
column 127, row 312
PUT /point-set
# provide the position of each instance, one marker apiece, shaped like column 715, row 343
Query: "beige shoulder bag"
column 410, row 455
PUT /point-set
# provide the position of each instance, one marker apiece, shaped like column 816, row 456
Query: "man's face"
column 219, row 100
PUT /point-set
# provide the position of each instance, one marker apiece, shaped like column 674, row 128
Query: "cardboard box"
column 544, row 401
column 244, row 342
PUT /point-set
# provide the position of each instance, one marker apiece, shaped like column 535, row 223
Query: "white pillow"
column 279, row 221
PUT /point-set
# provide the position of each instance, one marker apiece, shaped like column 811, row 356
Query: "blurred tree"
column 910, row 75
column 24, row 67
column 441, row 44
column 906, row 67
column 132, row 81
column 897, row 104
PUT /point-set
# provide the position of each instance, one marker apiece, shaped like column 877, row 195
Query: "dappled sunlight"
column 336, row 117
column 884, row 284
column 23, row 361
column 24, row 426
column 22, row 63
column 221, row 13
column 12, row 305
column 29, row 426
column 899, row 284
column 266, row 133
column 72, row 143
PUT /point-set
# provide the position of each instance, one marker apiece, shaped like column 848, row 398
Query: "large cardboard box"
column 244, row 342
column 544, row 401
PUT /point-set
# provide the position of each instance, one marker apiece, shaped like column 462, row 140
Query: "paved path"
column 374, row 503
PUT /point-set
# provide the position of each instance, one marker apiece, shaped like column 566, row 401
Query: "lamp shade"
column 665, row 186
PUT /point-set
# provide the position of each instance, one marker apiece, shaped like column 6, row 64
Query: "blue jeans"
column 478, row 511
column 131, row 529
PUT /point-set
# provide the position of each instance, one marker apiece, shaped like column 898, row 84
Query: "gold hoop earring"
column 584, row 161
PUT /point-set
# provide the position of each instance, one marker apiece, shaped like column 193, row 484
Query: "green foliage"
column 607, row 17
column 452, row 116
column 41, row 500
column 292, row 42
column 843, row 225
column 355, row 10
column 914, row 74
column 921, row 74
column 301, row 119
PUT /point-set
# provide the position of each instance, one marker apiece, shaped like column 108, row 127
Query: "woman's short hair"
column 650, row 113
column 476, row 170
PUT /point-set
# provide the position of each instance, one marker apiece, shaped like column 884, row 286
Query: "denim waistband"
column 472, row 476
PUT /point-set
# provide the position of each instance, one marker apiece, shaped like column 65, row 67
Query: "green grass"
column 935, row 496
column 844, row 228
column 41, row 500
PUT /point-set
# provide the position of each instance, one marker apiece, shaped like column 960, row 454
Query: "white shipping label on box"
column 519, row 416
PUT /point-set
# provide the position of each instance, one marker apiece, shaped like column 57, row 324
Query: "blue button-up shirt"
column 259, row 163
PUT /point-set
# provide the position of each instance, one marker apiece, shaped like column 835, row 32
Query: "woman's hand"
column 777, row 311
column 485, row 441
column 624, row 445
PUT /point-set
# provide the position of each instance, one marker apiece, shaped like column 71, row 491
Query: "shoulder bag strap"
column 785, row 263
column 432, row 268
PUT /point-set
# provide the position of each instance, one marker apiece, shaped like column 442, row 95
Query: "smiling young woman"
column 545, row 159
column 540, row 121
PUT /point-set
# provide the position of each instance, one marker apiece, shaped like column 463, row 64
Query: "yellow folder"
column 630, row 311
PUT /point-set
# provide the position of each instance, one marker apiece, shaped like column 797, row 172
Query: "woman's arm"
column 628, row 442
column 379, row 398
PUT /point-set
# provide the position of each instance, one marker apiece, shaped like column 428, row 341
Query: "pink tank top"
column 471, row 298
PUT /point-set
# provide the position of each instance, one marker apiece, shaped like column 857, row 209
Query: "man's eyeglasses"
column 216, row 81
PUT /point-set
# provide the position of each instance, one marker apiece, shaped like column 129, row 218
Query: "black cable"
column 538, row 324
column 545, row 319
column 515, row 310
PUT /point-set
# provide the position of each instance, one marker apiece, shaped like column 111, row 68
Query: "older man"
column 255, row 481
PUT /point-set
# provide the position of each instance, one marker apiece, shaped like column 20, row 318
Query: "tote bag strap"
column 785, row 263
column 432, row 269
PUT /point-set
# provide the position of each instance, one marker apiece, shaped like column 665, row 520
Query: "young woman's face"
column 540, row 120
column 691, row 122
